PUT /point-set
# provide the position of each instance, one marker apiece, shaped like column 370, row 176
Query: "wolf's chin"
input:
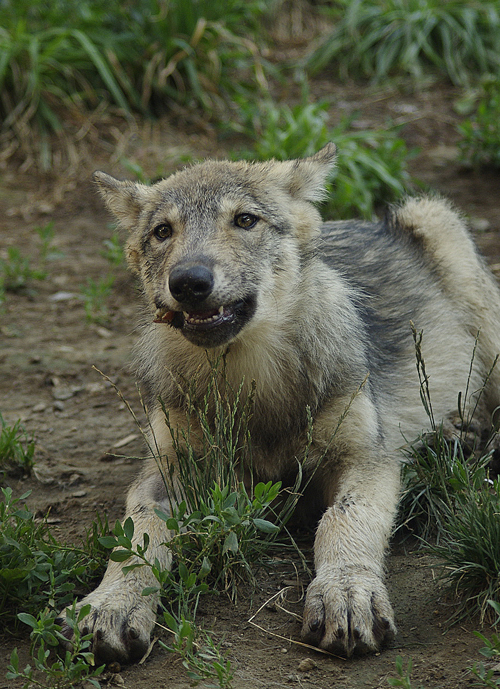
column 211, row 327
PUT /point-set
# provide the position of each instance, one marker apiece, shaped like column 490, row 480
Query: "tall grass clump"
column 61, row 61
column 451, row 501
column 222, row 525
column 416, row 37
column 470, row 549
column 371, row 166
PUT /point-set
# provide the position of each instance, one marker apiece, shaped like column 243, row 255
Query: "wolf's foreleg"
column 347, row 607
column 121, row 618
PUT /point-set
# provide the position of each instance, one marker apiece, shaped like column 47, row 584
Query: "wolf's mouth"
column 200, row 319
column 210, row 327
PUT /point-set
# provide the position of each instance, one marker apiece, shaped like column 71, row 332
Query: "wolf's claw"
column 347, row 612
column 121, row 624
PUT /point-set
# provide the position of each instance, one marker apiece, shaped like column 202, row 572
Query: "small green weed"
column 181, row 589
column 16, row 271
column 201, row 657
column 95, row 295
column 371, row 167
column 480, row 143
column 382, row 39
column 228, row 534
column 16, row 274
column 49, row 672
column 113, row 250
column 404, row 675
column 17, row 450
column 47, row 251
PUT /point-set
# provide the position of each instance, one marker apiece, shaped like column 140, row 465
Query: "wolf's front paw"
column 121, row 621
column 347, row 611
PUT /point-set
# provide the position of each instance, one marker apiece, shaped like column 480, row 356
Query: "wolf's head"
column 220, row 244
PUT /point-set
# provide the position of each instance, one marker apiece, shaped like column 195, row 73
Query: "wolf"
column 234, row 260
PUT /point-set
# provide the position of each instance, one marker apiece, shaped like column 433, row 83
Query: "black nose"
column 191, row 283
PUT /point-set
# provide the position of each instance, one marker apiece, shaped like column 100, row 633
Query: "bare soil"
column 89, row 450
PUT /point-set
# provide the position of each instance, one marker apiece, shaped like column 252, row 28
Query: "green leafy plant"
column 201, row 657
column 17, row 450
column 48, row 672
column 371, row 167
column 227, row 534
column 491, row 650
column 181, row 589
column 35, row 569
column 480, row 142
column 381, row 39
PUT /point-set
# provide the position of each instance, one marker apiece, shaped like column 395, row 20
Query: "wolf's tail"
column 463, row 275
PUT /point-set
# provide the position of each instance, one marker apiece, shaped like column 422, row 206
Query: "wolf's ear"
column 124, row 199
column 306, row 177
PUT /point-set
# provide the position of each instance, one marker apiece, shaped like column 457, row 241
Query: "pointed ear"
column 306, row 177
column 124, row 199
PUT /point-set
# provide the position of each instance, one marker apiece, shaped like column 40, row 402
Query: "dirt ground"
column 88, row 448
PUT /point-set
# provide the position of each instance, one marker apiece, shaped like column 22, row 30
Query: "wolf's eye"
column 163, row 231
column 246, row 220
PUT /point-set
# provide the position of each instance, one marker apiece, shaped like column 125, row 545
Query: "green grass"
column 460, row 40
column 469, row 549
column 60, row 60
column 16, row 272
column 17, row 450
column 95, row 294
column 452, row 504
column 480, row 142
column 371, row 167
